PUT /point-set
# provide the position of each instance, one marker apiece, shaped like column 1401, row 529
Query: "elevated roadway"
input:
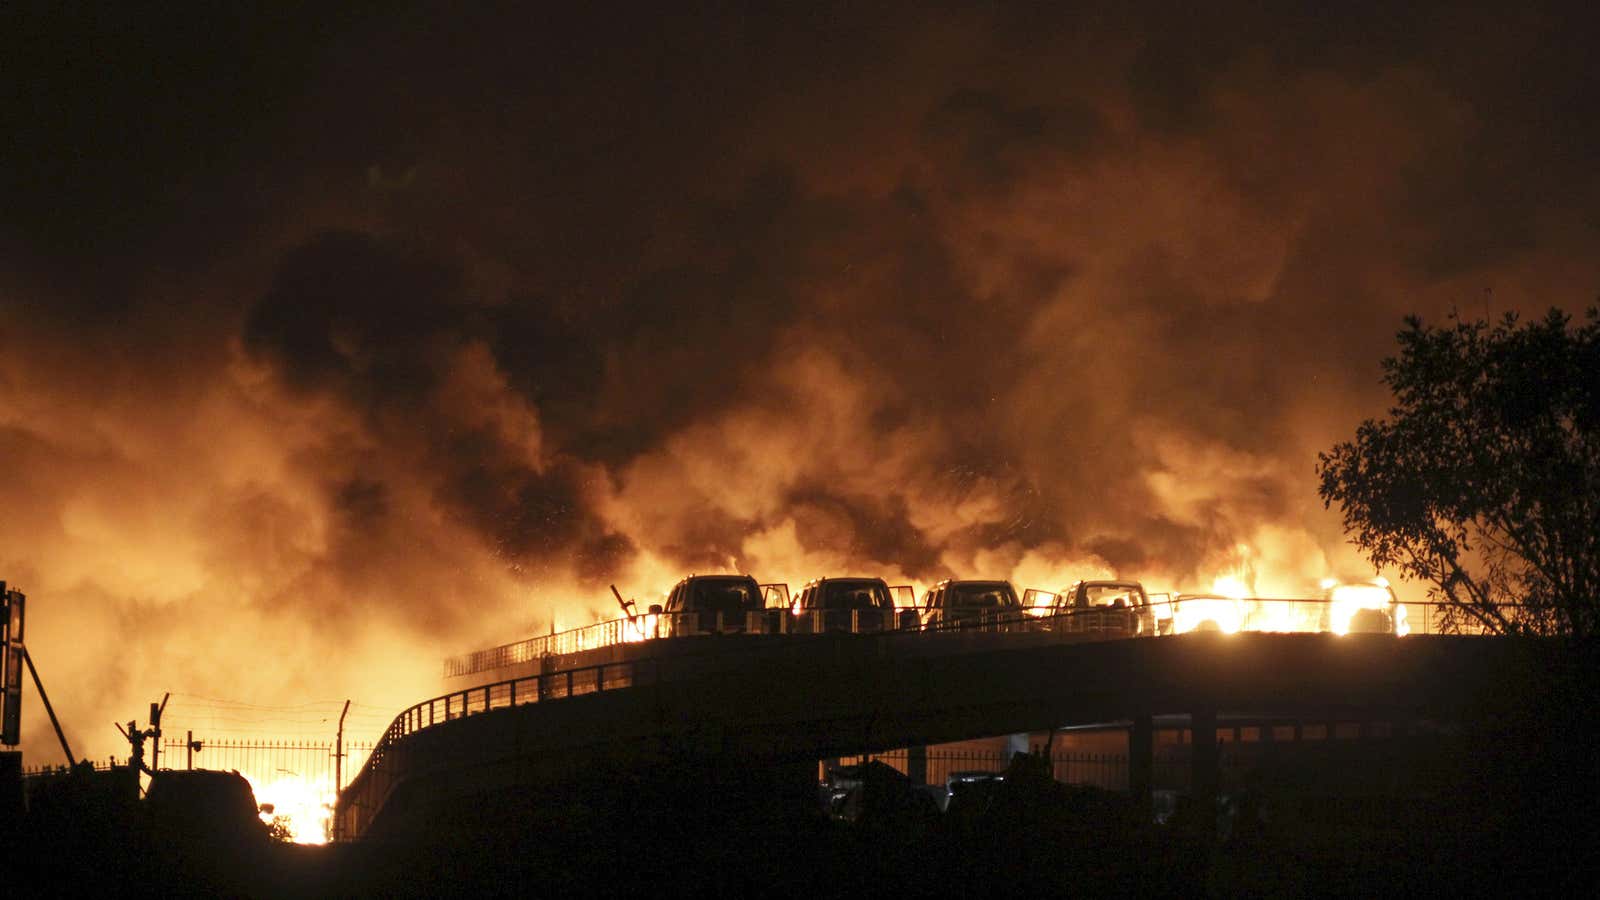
column 776, row 700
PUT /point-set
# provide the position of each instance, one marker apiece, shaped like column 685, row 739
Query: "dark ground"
column 1507, row 804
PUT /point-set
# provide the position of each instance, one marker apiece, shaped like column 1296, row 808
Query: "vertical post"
column 513, row 692
column 1142, row 764
column 1204, row 774
column 338, row 751
column 917, row 764
column 188, row 740
column 156, row 709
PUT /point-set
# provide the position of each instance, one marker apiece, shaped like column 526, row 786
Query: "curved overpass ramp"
column 776, row 701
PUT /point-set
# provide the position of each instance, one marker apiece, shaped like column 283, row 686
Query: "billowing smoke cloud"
column 413, row 332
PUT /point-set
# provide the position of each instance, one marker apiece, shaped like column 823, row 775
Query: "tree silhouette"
column 1484, row 482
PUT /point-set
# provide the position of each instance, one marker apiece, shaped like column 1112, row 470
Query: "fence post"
column 917, row 764
column 513, row 691
column 1141, row 762
column 1204, row 772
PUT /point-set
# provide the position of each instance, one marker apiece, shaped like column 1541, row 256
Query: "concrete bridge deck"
column 768, row 700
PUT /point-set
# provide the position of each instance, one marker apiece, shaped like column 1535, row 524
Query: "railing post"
column 513, row 691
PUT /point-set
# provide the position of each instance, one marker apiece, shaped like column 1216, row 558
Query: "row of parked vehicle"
column 728, row 602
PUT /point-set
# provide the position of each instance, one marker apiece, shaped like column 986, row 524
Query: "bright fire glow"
column 1204, row 613
column 306, row 807
column 1043, row 603
column 1346, row 601
column 641, row 627
column 1230, row 586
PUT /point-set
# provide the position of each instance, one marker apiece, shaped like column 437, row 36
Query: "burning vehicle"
column 1207, row 612
column 852, row 605
column 1363, row 607
column 715, row 604
column 1115, row 608
column 989, row 605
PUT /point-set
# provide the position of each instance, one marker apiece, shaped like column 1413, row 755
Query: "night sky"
column 332, row 343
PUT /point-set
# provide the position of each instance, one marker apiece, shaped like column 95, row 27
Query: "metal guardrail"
column 1160, row 617
column 652, row 626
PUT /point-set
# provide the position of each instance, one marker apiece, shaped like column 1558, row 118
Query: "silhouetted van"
column 204, row 807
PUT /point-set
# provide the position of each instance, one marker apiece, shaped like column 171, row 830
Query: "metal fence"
column 296, row 777
column 1102, row 770
column 255, row 758
column 1164, row 615
column 1172, row 764
column 49, row 771
column 262, row 761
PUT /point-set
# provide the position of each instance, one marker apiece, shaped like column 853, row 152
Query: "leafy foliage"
column 278, row 829
column 1484, row 482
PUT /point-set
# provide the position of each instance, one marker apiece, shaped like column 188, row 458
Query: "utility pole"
column 155, row 731
column 338, row 752
column 338, row 764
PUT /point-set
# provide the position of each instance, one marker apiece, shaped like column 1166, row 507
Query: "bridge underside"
column 775, row 704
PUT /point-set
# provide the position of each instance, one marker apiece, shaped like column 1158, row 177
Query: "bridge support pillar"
column 917, row 764
column 1141, row 763
column 1205, row 775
